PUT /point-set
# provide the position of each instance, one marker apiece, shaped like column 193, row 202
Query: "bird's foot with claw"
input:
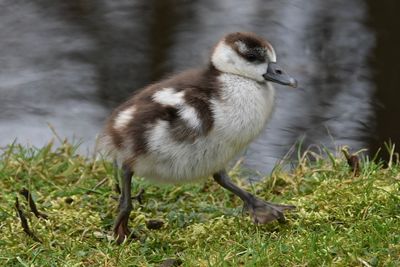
column 263, row 212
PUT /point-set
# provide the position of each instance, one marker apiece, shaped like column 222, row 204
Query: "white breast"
column 243, row 110
column 240, row 115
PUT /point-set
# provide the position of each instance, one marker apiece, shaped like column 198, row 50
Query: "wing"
column 180, row 104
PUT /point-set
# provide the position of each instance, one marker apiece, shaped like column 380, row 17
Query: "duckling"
column 189, row 126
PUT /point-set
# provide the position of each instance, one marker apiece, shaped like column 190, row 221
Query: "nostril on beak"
column 278, row 72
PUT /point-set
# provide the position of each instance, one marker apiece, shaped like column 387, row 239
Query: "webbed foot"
column 263, row 212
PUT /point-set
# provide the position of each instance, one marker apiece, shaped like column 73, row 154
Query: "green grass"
column 341, row 220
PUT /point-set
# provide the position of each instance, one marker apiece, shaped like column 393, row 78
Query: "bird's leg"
column 121, row 230
column 260, row 210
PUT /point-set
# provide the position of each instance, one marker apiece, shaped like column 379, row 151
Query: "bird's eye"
column 251, row 57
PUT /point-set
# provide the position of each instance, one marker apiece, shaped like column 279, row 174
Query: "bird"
column 189, row 126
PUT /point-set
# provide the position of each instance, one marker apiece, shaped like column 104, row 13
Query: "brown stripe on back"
column 199, row 98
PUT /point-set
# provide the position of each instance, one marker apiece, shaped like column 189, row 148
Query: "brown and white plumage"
column 191, row 125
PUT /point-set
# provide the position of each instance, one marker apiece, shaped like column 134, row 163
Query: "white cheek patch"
column 123, row 118
column 223, row 58
column 227, row 60
column 168, row 96
column 261, row 69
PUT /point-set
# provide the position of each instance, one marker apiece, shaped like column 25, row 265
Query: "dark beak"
column 277, row 75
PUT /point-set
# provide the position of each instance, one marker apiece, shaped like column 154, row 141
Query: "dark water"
column 68, row 63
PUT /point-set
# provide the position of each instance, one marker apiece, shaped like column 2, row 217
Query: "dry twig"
column 32, row 204
column 353, row 161
column 24, row 222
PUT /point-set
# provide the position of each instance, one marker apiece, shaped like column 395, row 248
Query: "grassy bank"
column 341, row 220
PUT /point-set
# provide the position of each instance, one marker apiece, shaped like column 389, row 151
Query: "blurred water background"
column 68, row 63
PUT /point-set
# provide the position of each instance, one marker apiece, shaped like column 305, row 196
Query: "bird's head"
column 247, row 55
